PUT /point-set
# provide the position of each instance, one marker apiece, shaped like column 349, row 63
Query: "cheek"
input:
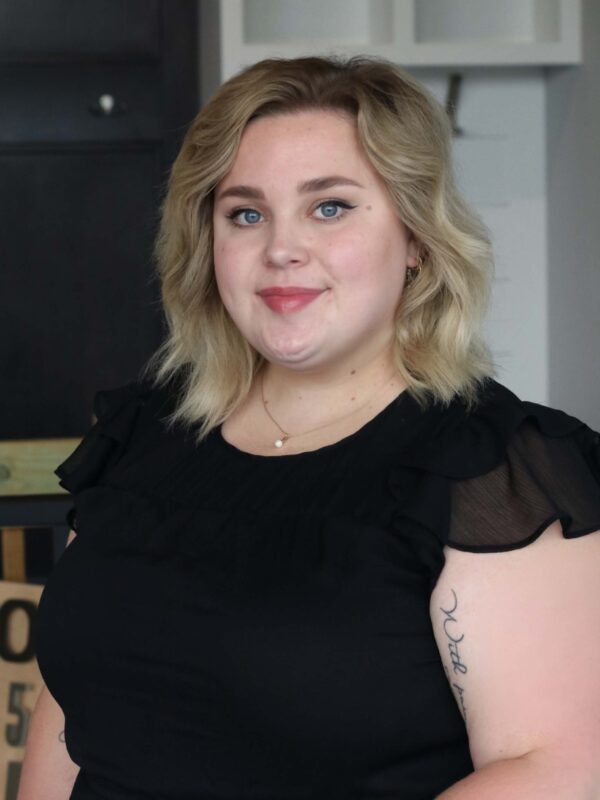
column 370, row 261
column 225, row 279
column 229, row 265
column 346, row 257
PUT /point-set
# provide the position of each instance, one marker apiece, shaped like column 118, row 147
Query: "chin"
column 299, row 360
column 292, row 353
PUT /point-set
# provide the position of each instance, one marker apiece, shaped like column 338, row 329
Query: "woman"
column 323, row 554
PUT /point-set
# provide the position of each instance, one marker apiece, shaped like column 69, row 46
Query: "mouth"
column 287, row 299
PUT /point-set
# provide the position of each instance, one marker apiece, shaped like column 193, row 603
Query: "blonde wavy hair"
column 407, row 138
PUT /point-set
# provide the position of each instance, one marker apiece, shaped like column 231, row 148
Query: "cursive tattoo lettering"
column 454, row 639
column 449, row 625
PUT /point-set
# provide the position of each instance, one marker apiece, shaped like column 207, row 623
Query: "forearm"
column 535, row 776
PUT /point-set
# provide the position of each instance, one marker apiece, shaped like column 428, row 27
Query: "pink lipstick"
column 287, row 299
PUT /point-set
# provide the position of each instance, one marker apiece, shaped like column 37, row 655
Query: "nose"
column 285, row 247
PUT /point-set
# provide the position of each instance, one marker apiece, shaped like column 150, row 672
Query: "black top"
column 227, row 625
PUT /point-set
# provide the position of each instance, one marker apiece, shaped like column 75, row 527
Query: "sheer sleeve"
column 494, row 478
column 541, row 478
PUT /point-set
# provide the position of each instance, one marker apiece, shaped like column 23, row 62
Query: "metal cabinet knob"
column 107, row 106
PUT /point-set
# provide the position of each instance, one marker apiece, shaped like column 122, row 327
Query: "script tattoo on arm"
column 454, row 637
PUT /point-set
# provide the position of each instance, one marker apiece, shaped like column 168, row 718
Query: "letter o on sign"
column 6, row 611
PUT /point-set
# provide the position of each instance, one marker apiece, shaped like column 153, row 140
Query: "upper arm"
column 70, row 537
column 519, row 635
column 47, row 769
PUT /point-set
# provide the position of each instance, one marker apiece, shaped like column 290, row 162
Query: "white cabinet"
column 408, row 32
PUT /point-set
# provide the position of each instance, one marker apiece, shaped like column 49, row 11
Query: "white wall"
column 501, row 169
column 573, row 179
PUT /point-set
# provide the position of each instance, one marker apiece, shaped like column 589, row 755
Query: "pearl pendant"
column 278, row 443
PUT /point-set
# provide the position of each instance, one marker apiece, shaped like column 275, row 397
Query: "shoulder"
column 141, row 394
column 123, row 415
column 494, row 476
column 462, row 441
column 518, row 588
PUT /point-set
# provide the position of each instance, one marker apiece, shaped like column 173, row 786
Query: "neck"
column 300, row 400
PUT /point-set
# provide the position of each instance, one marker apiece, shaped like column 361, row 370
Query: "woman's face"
column 310, row 256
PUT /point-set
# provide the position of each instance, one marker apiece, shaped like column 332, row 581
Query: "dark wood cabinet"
column 95, row 98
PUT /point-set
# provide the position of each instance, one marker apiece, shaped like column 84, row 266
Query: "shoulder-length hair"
column 407, row 138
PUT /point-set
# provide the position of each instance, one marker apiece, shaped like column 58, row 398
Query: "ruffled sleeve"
column 495, row 478
column 116, row 412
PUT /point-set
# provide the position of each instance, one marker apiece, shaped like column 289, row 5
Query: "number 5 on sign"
column 20, row 680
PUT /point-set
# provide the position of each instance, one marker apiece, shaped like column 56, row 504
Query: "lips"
column 287, row 299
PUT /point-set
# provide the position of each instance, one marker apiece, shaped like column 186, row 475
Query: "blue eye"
column 245, row 216
column 330, row 209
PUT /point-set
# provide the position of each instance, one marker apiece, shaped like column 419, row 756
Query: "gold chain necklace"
column 285, row 436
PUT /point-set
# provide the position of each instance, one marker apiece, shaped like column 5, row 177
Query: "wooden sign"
column 27, row 466
column 20, row 679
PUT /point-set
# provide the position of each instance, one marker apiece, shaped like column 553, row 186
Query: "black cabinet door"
column 94, row 98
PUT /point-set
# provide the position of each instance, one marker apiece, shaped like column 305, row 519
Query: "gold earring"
column 412, row 273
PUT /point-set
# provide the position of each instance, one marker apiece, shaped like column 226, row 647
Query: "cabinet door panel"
column 66, row 316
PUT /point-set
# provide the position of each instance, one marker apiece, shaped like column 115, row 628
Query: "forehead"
column 300, row 143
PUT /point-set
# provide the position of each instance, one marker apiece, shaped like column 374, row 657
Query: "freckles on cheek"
column 219, row 246
column 229, row 251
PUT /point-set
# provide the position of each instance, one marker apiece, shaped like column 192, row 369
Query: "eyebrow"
column 319, row 184
column 313, row 185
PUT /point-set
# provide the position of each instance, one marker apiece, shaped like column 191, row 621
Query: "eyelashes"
column 335, row 204
column 237, row 215
column 247, row 217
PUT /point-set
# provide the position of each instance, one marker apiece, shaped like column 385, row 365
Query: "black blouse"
column 228, row 625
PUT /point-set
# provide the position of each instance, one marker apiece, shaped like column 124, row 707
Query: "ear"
column 413, row 250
